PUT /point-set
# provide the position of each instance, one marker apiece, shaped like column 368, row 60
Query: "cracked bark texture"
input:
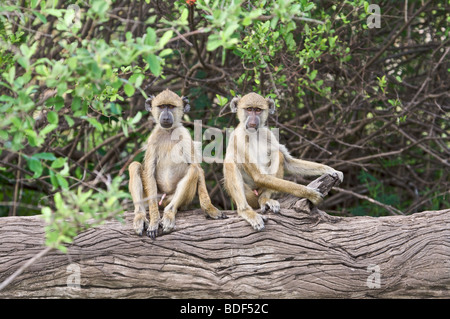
column 302, row 253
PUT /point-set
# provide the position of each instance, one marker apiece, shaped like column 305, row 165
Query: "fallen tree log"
column 302, row 253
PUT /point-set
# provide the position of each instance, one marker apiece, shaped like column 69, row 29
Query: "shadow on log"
column 302, row 253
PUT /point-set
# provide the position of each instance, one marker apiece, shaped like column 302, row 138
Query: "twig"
column 308, row 141
column 187, row 34
column 16, row 187
column 106, row 142
column 24, row 267
column 389, row 208
column 269, row 17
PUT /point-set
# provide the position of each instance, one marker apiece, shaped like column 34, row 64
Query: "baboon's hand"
column 222, row 216
column 314, row 196
column 337, row 174
column 168, row 221
column 140, row 224
column 272, row 205
column 214, row 213
column 152, row 231
column 255, row 219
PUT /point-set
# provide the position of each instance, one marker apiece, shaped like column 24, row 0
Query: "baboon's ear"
column 233, row 104
column 187, row 107
column 272, row 106
column 148, row 103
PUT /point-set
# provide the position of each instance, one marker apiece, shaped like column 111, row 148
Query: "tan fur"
column 247, row 172
column 167, row 97
column 167, row 171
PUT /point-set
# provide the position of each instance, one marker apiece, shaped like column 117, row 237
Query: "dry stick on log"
column 302, row 253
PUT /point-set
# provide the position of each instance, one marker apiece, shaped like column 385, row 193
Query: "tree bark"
column 302, row 253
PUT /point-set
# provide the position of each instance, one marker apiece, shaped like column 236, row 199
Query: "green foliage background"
column 371, row 102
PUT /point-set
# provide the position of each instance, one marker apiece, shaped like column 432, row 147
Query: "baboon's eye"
column 254, row 109
column 169, row 106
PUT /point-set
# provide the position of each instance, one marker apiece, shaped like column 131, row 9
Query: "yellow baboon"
column 255, row 163
column 167, row 173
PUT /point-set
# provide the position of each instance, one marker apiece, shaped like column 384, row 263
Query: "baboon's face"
column 165, row 115
column 252, row 110
column 167, row 108
column 253, row 117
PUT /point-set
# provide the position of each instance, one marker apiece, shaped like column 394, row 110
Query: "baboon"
column 255, row 162
column 166, row 172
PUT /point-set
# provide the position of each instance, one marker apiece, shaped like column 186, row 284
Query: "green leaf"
column 153, row 63
column 54, row 12
column 214, row 41
column 40, row 16
column 59, row 203
column 16, row 121
column 56, row 101
column 69, row 120
column 65, row 170
column 184, row 15
column 136, row 79
column 58, row 163
column 165, row 38
column 46, row 213
column 62, row 181
column 52, row 117
column 34, row 3
column 33, row 138
column 247, row 21
column 53, row 179
column 129, row 89
column 45, row 156
column 76, row 103
column 95, row 123
column 35, row 166
column 47, row 129
column 150, row 37
column 72, row 63
column 100, row 7
column 274, row 22
column 137, row 118
column 313, row 75
column 3, row 135
column 165, row 53
column 10, row 75
column 125, row 129
column 62, row 248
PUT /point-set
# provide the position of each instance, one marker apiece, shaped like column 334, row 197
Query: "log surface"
column 294, row 257
column 300, row 254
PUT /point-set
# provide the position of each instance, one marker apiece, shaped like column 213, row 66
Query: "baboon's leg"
column 265, row 201
column 184, row 193
column 205, row 201
column 307, row 168
column 151, row 190
column 136, row 189
column 234, row 184
column 165, row 201
column 281, row 185
column 251, row 196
